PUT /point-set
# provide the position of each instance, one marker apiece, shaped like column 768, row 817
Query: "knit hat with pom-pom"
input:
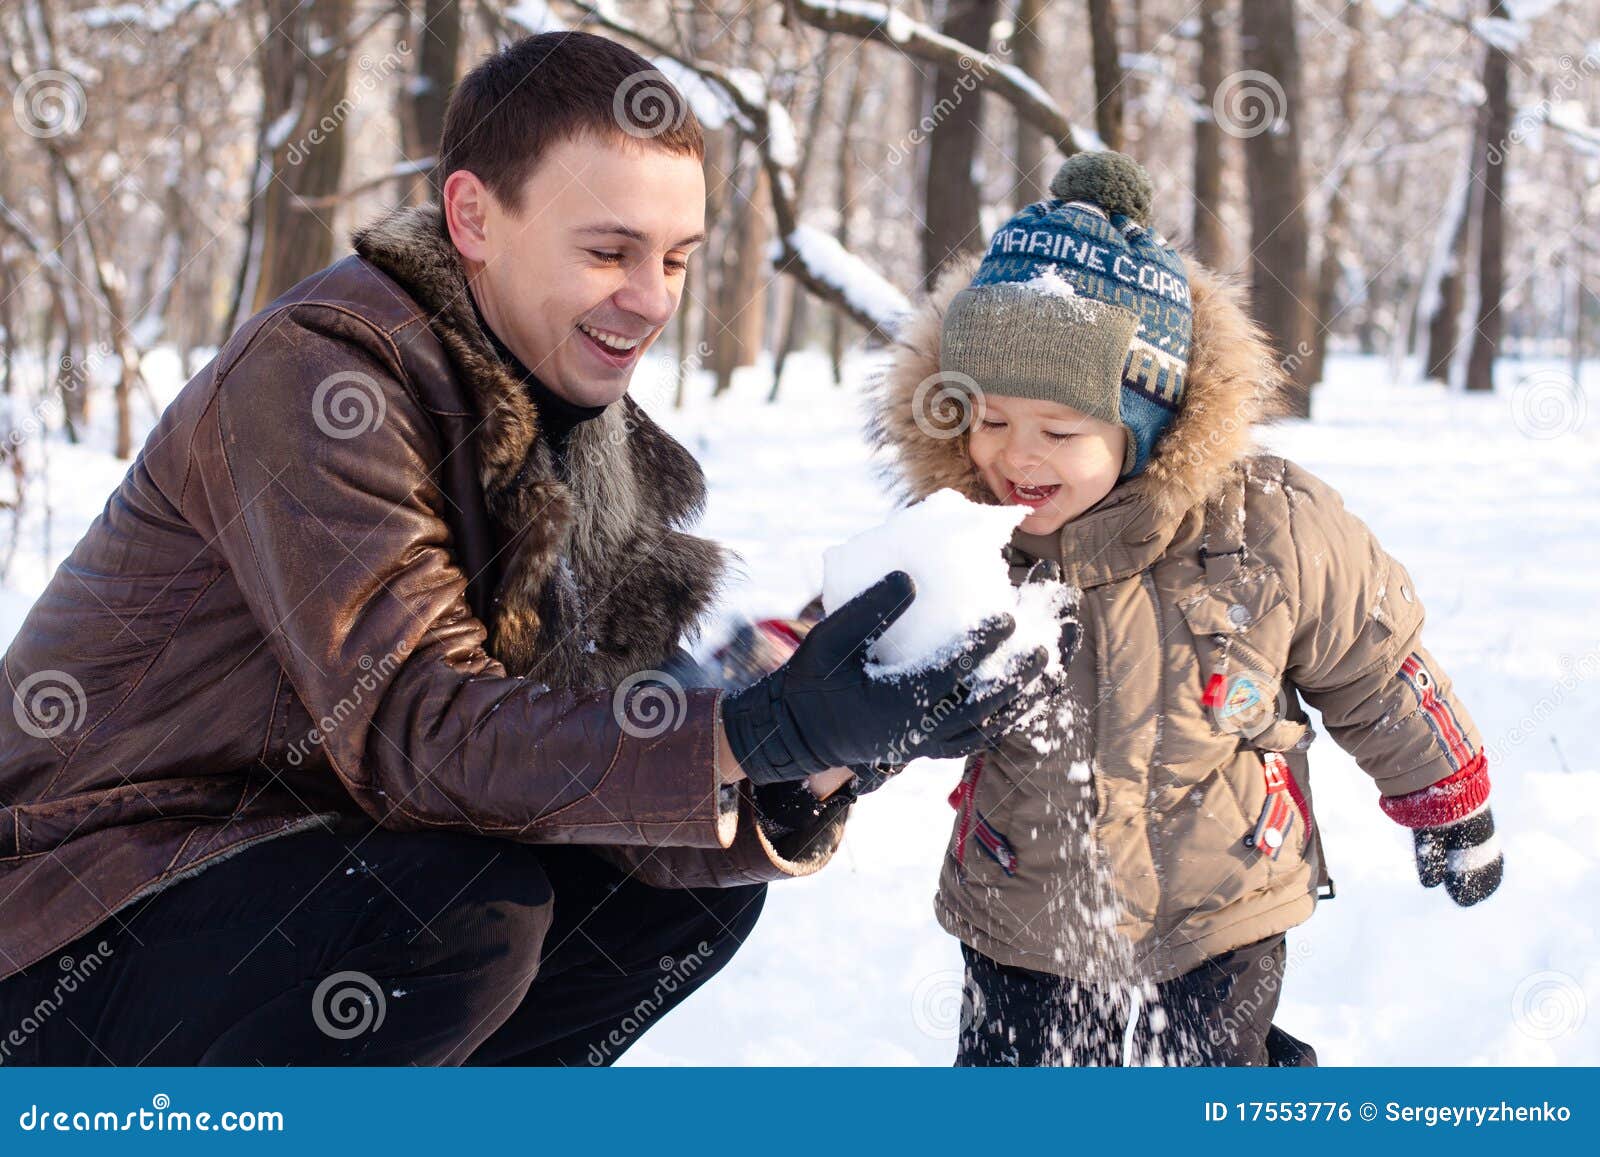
column 1079, row 301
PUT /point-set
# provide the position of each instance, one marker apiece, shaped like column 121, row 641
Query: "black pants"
column 1218, row 1014
column 364, row 946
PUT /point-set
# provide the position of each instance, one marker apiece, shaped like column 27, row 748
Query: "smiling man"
column 344, row 733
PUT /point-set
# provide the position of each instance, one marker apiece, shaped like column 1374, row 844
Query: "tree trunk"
column 951, row 196
column 438, row 41
column 1279, row 236
column 1108, row 94
column 304, row 72
column 1496, row 116
column 1210, row 239
column 845, row 191
column 1331, row 266
column 1027, row 53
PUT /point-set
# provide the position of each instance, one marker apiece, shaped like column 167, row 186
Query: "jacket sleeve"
column 1357, row 656
column 311, row 476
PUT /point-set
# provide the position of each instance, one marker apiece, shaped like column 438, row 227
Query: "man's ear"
column 466, row 212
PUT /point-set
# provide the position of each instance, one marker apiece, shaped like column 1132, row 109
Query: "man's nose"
column 647, row 294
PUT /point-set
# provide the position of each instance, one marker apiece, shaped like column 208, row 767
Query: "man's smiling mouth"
column 612, row 341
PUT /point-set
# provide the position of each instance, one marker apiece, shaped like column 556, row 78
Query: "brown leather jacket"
column 345, row 577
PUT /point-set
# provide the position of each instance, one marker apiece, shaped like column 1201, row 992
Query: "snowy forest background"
column 1410, row 188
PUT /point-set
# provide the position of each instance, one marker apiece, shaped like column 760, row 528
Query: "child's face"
column 1044, row 455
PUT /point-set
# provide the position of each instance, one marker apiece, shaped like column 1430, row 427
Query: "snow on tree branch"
column 871, row 20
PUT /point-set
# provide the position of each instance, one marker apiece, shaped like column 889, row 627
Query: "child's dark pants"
column 366, row 946
column 1218, row 1014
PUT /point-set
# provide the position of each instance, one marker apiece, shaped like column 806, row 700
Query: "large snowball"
column 952, row 548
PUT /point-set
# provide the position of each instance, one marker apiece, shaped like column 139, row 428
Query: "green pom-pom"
column 1114, row 181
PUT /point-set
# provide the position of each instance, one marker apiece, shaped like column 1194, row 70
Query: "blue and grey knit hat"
column 1079, row 301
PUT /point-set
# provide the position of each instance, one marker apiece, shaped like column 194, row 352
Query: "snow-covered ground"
column 1492, row 502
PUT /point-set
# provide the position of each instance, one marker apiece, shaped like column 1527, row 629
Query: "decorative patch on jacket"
column 1446, row 728
column 1246, row 703
column 975, row 824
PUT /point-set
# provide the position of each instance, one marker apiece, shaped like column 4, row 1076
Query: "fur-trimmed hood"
column 598, row 580
column 1234, row 381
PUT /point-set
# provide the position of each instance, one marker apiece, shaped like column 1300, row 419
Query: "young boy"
column 1122, row 882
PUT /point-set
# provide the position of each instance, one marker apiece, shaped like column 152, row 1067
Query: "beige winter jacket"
column 1171, row 819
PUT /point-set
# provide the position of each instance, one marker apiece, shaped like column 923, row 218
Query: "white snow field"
column 1493, row 503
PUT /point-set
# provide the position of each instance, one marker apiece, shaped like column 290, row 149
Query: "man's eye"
column 675, row 267
column 605, row 256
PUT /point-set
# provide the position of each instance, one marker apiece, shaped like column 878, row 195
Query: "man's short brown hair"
column 548, row 88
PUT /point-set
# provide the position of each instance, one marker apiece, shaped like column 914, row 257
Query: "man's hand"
column 821, row 710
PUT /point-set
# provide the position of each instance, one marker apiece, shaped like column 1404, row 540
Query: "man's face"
column 582, row 278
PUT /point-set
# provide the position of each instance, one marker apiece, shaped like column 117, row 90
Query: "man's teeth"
column 611, row 340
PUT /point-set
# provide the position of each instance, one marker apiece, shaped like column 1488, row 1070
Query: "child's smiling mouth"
column 1036, row 496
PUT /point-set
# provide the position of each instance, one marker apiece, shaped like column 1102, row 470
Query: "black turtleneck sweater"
column 557, row 416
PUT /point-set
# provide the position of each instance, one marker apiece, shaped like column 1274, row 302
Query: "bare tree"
column 1280, row 277
column 1496, row 137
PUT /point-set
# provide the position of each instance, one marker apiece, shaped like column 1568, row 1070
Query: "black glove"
column 822, row 710
column 1462, row 856
column 788, row 806
column 871, row 776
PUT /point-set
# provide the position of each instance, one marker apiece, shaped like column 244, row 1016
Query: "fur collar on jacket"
column 598, row 580
column 1234, row 382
